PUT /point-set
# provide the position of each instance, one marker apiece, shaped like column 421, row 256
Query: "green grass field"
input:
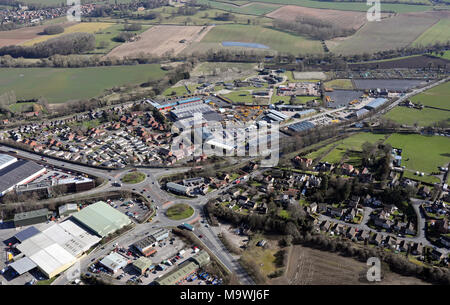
column 240, row 97
column 437, row 33
column 424, row 117
column 59, row 85
column 422, row 153
column 434, row 97
column 133, row 178
column 354, row 145
column 179, row 211
column 276, row 40
column 339, row 84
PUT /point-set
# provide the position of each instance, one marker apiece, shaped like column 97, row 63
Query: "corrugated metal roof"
column 114, row 261
column 27, row 233
column 101, row 218
column 175, row 275
column 23, row 265
column 31, row 214
column 17, row 172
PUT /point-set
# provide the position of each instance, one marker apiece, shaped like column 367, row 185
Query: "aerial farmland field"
column 85, row 27
column 354, row 145
column 354, row 6
column 162, row 39
column 59, row 85
column 19, row 36
column 437, row 33
column 275, row 40
column 434, row 97
column 422, row 153
column 345, row 19
column 390, row 33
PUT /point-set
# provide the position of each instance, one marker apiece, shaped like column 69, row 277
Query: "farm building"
column 142, row 264
column 101, row 218
column 16, row 173
column 56, row 247
column 376, row 103
column 114, row 261
column 31, row 217
column 67, row 209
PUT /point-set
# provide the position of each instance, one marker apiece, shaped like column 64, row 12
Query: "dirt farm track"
column 161, row 39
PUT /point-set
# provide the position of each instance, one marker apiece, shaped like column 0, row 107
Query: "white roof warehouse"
column 57, row 247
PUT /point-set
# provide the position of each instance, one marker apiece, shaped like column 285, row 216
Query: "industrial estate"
column 230, row 142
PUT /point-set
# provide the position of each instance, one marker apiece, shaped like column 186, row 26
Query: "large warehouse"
column 15, row 172
column 54, row 249
column 101, row 218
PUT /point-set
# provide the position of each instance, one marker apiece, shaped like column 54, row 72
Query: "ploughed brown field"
column 161, row 39
column 344, row 19
column 19, row 36
column 309, row 266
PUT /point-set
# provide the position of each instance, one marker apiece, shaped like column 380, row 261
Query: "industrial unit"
column 101, row 218
column 31, row 217
column 184, row 269
column 15, row 172
column 54, row 249
column 114, row 262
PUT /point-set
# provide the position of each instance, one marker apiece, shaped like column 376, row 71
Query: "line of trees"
column 73, row 43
